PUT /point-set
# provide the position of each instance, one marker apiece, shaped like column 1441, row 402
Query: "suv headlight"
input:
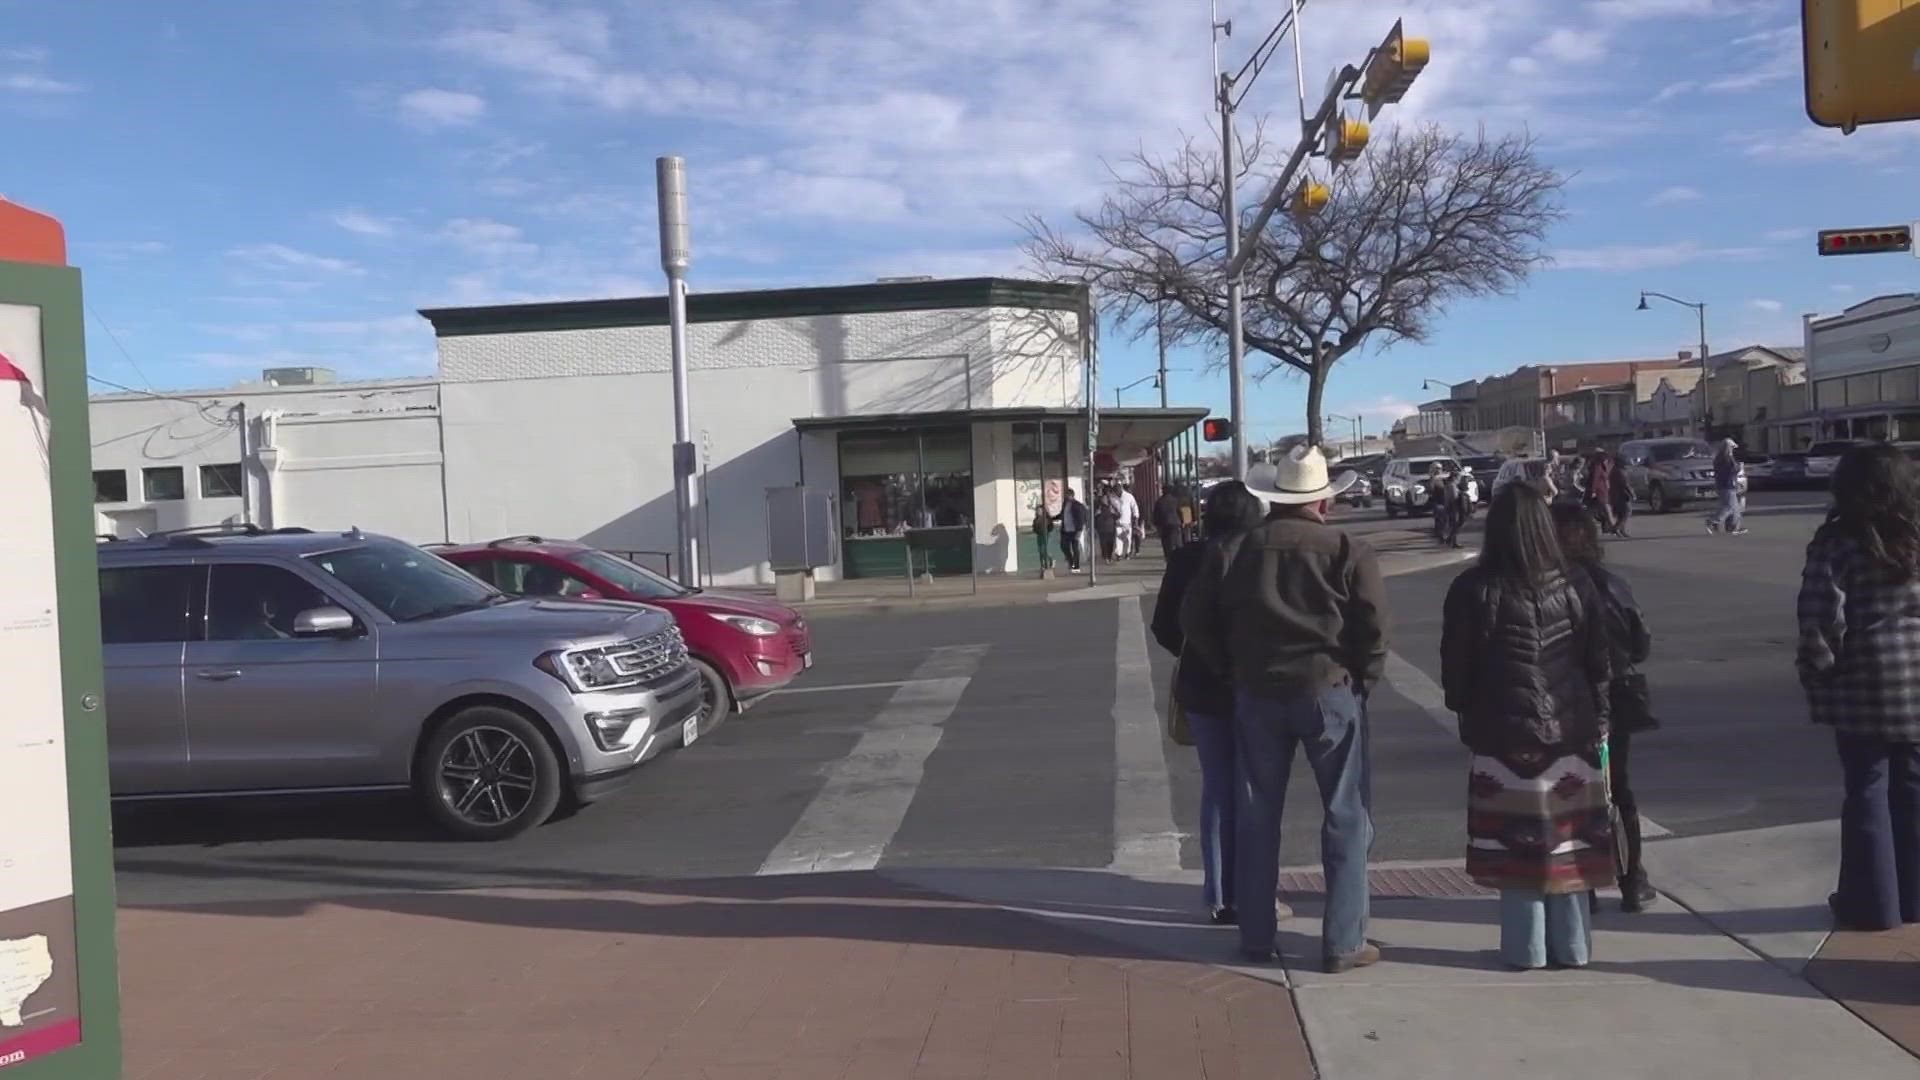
column 749, row 624
column 585, row 671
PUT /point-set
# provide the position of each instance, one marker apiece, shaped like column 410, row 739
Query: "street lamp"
column 1706, row 372
column 1353, row 420
column 1156, row 379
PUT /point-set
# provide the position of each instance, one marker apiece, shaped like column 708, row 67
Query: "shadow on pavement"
column 219, row 822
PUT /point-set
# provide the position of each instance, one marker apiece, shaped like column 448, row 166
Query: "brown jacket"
column 1292, row 607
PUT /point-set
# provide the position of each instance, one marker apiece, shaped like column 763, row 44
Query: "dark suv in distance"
column 246, row 662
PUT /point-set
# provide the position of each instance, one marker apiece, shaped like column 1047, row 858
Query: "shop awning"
column 1144, row 427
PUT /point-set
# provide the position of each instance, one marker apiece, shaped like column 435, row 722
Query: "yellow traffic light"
column 1395, row 64
column 1346, row 139
column 1861, row 61
column 1310, row 198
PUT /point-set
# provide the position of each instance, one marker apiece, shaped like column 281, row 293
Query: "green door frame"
column 55, row 290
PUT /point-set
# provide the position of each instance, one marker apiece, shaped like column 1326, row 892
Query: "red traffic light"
column 1866, row 241
column 1216, row 429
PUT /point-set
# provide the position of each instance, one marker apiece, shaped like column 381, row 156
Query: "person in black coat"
column 1207, row 696
column 1631, row 707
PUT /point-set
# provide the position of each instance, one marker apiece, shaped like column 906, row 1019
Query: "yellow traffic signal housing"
column 1346, row 139
column 1862, row 61
column 1310, row 198
column 1395, row 64
column 1866, row 241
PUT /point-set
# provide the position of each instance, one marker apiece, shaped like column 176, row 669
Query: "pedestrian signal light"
column 1310, row 198
column 1346, row 139
column 1395, row 64
column 1861, row 60
column 1216, row 429
column 1866, row 241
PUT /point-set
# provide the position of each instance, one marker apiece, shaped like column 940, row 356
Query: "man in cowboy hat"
column 1296, row 611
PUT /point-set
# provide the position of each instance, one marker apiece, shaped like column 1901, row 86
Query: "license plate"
column 806, row 661
column 689, row 731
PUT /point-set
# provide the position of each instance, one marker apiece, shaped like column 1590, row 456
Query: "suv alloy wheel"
column 489, row 774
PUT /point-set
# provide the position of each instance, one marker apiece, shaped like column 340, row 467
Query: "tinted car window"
column 1830, row 449
column 1676, row 451
column 257, row 602
column 526, row 577
column 405, row 582
column 634, row 579
column 146, row 604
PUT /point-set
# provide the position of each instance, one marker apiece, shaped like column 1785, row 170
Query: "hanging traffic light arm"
column 1309, row 139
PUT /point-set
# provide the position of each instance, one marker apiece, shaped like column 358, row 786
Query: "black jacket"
column 1629, row 644
column 1166, row 513
column 1525, row 667
column 1200, row 689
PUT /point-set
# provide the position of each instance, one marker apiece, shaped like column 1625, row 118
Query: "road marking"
column 1414, row 685
column 1146, row 843
column 849, row 824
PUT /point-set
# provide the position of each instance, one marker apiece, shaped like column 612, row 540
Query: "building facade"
column 954, row 406
column 1863, row 367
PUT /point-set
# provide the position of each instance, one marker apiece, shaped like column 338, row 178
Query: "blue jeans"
column 1727, row 515
column 1536, row 927
column 1213, row 739
column 1879, row 832
column 1331, row 727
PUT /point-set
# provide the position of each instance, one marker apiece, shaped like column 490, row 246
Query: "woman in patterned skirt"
column 1524, row 661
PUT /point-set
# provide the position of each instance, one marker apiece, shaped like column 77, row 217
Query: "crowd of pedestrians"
column 1279, row 620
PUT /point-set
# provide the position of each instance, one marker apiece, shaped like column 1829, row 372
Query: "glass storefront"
column 892, row 481
column 1039, row 479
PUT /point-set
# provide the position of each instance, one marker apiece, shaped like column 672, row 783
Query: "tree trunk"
column 1316, row 388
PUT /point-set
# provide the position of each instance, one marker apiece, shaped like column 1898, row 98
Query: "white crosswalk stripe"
column 849, row 824
column 1146, row 843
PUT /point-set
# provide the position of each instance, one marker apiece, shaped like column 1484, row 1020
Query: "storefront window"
column 892, row 481
column 1039, row 466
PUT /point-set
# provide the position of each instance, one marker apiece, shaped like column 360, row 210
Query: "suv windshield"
column 405, row 582
column 1481, row 463
column 1674, row 451
column 628, row 577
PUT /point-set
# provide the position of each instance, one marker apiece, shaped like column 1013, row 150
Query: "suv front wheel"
column 488, row 774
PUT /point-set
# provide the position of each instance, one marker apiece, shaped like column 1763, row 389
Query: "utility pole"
column 1230, row 218
column 676, row 254
column 1160, row 339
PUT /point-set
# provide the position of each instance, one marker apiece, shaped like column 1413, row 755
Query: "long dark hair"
column 1230, row 508
column 1578, row 533
column 1876, row 503
column 1520, row 544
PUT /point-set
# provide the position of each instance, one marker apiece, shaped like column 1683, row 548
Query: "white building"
column 1864, row 367
column 946, row 403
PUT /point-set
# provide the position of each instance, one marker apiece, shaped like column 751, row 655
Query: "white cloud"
column 484, row 236
column 1841, row 288
column 1614, row 258
column 433, row 107
column 1674, row 90
column 1632, row 10
column 1386, row 407
column 1571, row 46
column 1679, row 193
column 1785, row 236
column 122, row 249
column 27, row 82
column 1771, row 307
column 282, row 257
column 361, row 223
column 1523, row 65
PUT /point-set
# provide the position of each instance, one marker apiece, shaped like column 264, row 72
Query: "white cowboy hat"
column 1299, row 477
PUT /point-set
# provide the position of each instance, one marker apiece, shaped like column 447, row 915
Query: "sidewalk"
column 895, row 975
column 1401, row 552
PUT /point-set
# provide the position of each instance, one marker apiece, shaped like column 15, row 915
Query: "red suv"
column 745, row 647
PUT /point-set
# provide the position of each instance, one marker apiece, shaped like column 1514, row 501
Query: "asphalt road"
column 1010, row 737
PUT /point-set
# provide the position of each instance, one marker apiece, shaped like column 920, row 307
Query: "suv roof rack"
column 507, row 541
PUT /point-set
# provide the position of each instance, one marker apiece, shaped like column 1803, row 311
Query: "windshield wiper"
column 455, row 609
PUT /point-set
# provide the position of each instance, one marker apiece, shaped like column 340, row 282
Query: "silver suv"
column 1669, row 472
column 251, row 662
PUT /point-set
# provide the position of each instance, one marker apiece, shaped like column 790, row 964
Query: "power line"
column 93, row 310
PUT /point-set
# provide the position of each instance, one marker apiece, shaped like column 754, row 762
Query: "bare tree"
column 1424, row 218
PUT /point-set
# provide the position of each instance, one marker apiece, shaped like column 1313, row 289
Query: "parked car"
column 1788, row 470
column 252, row 662
column 1405, row 483
column 1758, row 466
column 744, row 647
column 1484, row 469
column 1361, row 493
column 1823, row 456
column 1669, row 472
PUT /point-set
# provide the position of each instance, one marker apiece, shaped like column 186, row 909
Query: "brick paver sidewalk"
column 808, row 978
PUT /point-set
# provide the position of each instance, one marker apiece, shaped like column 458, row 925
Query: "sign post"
column 59, row 1000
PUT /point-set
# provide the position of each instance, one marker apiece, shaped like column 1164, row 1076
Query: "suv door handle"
column 218, row 675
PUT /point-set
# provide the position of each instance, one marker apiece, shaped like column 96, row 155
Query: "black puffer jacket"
column 1525, row 667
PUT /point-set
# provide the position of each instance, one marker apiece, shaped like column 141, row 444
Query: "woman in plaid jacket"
column 1859, row 660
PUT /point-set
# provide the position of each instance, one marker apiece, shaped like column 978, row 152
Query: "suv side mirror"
column 326, row 621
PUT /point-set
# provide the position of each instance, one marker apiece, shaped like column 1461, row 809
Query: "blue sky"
column 262, row 184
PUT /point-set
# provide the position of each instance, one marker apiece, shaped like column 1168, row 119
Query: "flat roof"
column 741, row 306
column 1184, row 416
